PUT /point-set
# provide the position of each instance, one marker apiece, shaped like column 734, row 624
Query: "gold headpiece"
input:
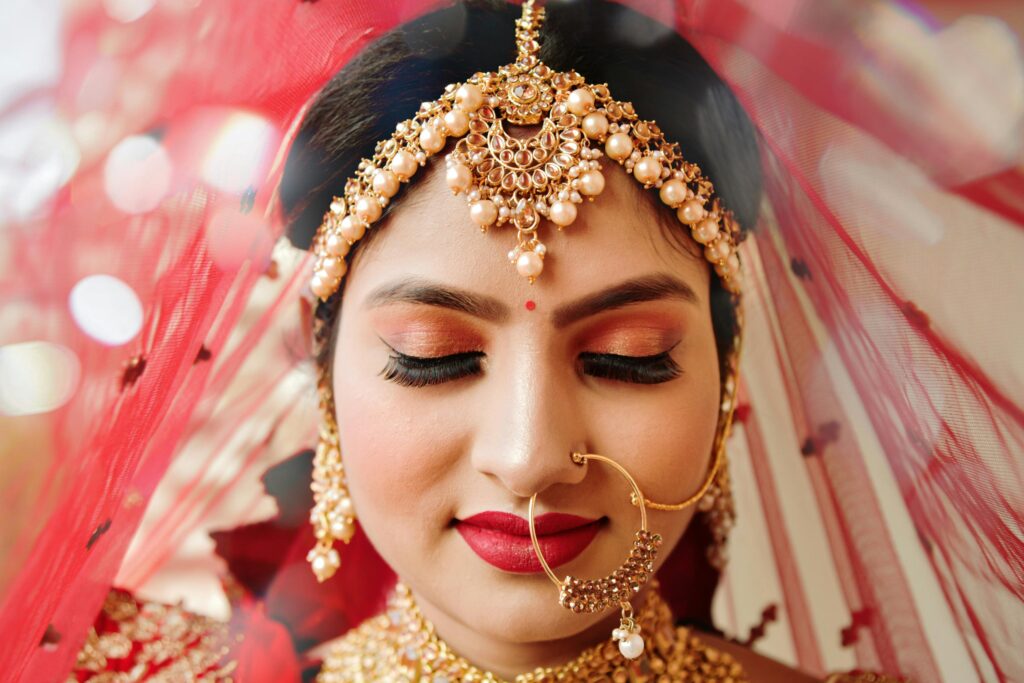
column 522, row 181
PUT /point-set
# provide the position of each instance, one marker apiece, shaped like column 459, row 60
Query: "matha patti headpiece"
column 523, row 181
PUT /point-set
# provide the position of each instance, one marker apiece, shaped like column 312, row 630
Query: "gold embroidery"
column 153, row 642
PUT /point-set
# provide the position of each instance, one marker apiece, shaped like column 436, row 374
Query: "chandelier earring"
column 333, row 515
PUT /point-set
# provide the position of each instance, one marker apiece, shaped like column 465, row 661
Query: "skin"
column 419, row 457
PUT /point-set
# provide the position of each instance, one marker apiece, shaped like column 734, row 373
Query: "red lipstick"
column 503, row 540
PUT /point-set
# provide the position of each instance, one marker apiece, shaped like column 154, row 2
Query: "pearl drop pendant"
column 631, row 644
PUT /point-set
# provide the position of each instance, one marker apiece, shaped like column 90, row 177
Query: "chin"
column 519, row 608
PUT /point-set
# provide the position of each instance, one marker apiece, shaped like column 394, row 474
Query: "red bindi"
column 530, row 305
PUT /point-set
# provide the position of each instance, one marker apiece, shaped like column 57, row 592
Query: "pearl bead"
column 706, row 231
column 339, row 529
column 385, row 183
column 647, row 170
column 595, row 126
column 343, row 531
column 673, row 192
column 563, row 213
column 459, row 178
column 591, row 183
column 404, row 165
column 367, row 208
column 618, row 146
column 690, row 212
column 346, row 507
column 632, row 646
column 468, row 97
column 483, row 212
column 336, row 246
column 352, row 229
column 321, row 288
column 334, row 267
column 529, row 264
column 581, row 101
column 732, row 265
column 456, row 122
column 717, row 251
column 432, row 137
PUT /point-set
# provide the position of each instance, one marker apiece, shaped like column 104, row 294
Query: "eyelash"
column 660, row 367
column 414, row 371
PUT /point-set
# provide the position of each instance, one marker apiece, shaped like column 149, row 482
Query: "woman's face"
column 461, row 390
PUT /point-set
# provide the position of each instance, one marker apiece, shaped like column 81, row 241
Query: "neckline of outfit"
column 402, row 645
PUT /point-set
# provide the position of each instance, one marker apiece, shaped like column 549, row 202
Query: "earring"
column 597, row 595
column 333, row 516
column 719, row 514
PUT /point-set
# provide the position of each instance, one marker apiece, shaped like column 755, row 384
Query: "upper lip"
column 547, row 524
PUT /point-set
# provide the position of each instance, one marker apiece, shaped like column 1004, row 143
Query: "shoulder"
column 153, row 640
column 761, row 669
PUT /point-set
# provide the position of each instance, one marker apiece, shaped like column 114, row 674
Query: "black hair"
column 641, row 60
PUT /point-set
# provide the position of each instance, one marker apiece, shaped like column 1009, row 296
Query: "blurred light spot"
column 237, row 156
column 137, row 174
column 36, row 377
column 127, row 11
column 41, row 156
column 235, row 237
column 54, row 159
column 90, row 131
column 106, row 309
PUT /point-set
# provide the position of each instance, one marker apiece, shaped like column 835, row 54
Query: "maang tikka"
column 522, row 182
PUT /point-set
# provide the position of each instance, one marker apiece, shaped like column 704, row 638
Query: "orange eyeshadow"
column 636, row 335
column 428, row 334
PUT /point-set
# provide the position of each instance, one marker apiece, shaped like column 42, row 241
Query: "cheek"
column 667, row 434
column 397, row 456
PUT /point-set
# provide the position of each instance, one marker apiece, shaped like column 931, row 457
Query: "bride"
column 526, row 305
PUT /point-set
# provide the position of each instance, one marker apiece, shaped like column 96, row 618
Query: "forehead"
column 618, row 236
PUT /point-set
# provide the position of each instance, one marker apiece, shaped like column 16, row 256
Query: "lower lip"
column 512, row 553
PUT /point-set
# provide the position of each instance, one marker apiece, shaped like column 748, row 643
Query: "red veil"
column 152, row 365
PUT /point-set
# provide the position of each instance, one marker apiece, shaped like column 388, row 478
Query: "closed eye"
column 415, row 371
column 654, row 369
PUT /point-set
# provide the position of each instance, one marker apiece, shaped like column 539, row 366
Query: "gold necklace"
column 401, row 645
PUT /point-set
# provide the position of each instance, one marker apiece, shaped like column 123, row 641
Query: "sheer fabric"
column 877, row 460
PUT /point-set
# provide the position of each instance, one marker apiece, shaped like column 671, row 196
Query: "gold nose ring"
column 616, row 589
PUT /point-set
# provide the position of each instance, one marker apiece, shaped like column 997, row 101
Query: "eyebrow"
column 428, row 293
column 425, row 292
column 635, row 291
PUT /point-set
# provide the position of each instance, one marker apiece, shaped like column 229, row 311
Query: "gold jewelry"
column 597, row 595
column 333, row 515
column 401, row 645
column 521, row 181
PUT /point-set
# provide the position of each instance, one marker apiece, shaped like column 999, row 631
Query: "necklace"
column 401, row 645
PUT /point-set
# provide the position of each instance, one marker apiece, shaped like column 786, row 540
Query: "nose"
column 527, row 433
